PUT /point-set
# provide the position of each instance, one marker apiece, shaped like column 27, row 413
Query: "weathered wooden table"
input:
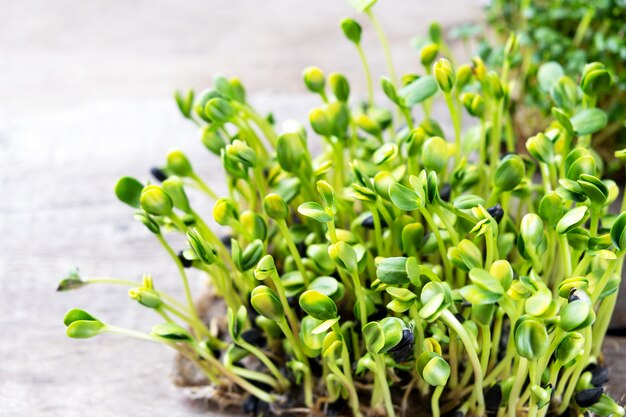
column 85, row 93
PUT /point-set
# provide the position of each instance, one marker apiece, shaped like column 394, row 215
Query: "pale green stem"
column 299, row 353
column 203, row 186
column 284, row 230
column 452, row 321
column 368, row 75
column 360, row 296
column 434, row 400
column 517, row 386
column 384, row 44
column 456, row 123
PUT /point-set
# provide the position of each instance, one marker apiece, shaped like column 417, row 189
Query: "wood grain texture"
column 84, row 99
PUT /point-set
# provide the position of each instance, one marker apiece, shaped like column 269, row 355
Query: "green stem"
column 381, row 374
column 583, row 25
column 284, row 230
column 301, row 357
column 251, row 388
column 255, row 376
column 377, row 230
column 360, row 296
column 262, row 123
column 434, row 400
column 496, row 132
column 382, row 38
column 486, row 347
column 456, row 122
column 452, row 321
column 517, row 386
column 578, row 369
column 368, row 75
column 197, row 324
column 440, row 243
column 203, row 185
column 282, row 381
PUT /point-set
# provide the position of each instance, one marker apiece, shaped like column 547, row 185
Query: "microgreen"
column 408, row 247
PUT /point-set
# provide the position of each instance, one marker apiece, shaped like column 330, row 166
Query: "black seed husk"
column 496, row 212
column 588, row 397
column 158, row 174
column 184, row 261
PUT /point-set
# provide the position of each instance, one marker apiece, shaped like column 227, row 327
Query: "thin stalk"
column 255, row 376
column 354, row 398
column 496, row 132
column 452, row 321
column 578, row 369
column 360, row 296
column 583, row 25
column 381, row 374
column 368, row 75
column 262, row 123
column 456, row 123
column 203, row 186
column 517, row 386
column 251, row 388
column 442, row 248
column 280, row 289
column 384, row 43
column 299, row 353
column 454, row 362
column 284, row 230
column 486, row 347
column 197, row 324
column 377, row 230
column 434, row 400
column 282, row 381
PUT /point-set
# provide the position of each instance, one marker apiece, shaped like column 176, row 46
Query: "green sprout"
column 411, row 258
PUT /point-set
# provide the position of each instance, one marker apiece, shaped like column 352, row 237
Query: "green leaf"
column 324, row 326
column 171, row 331
column 573, row 218
column 618, row 235
column 538, row 303
column 401, row 294
column 344, row 256
column 531, row 338
column 311, row 340
column 576, row 315
column 327, row 192
column 433, row 368
column 76, row 314
column 128, row 190
column 374, row 337
column 314, row 211
column 570, row 347
column 479, row 296
column 563, row 120
column 392, row 271
column 72, row 281
column 435, row 154
column 266, row 303
column 509, row 173
column 588, row 121
column 392, row 331
column 486, row 281
column 84, row 329
column 548, row 74
column 470, row 254
column 317, row 305
column 404, row 198
column 419, row 90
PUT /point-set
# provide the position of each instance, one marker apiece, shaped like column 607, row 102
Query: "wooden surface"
column 85, row 91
